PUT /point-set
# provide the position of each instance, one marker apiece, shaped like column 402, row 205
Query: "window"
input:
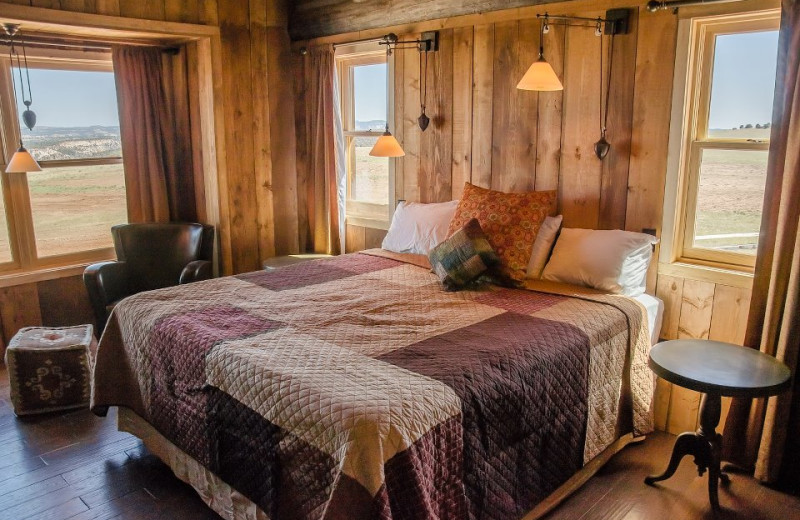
column 62, row 215
column 731, row 65
column 362, row 80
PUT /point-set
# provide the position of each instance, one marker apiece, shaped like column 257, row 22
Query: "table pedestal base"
column 706, row 446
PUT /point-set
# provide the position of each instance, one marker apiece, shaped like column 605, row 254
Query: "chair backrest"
column 157, row 253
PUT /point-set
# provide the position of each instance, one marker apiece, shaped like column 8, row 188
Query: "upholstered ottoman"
column 50, row 368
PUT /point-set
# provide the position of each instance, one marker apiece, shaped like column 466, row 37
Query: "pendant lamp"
column 387, row 145
column 22, row 161
column 540, row 75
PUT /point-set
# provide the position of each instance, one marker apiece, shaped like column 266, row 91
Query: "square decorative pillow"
column 464, row 257
column 511, row 222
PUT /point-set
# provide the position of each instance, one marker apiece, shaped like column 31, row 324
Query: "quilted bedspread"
column 355, row 387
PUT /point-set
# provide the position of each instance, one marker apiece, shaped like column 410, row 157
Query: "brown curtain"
column 325, row 195
column 155, row 155
column 763, row 434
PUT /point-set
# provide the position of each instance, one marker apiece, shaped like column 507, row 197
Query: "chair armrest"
column 196, row 271
column 106, row 282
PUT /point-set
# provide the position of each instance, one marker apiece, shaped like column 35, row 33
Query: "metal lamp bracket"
column 617, row 21
column 428, row 42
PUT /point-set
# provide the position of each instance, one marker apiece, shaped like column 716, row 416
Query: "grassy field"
column 730, row 198
column 74, row 208
column 372, row 174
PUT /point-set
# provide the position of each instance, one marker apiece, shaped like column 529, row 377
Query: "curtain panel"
column 765, row 434
column 325, row 188
column 156, row 148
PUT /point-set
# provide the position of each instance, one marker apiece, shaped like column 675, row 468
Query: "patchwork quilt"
column 356, row 387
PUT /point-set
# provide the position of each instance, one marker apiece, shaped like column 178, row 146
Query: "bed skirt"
column 232, row 505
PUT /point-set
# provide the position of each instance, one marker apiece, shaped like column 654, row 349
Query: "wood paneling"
column 482, row 104
column 436, row 143
column 52, row 303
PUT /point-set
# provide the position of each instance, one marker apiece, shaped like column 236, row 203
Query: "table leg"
column 706, row 446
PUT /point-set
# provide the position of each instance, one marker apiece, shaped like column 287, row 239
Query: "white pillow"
column 543, row 245
column 417, row 227
column 610, row 260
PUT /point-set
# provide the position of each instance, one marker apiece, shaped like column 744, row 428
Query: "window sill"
column 13, row 278
column 367, row 222
column 705, row 273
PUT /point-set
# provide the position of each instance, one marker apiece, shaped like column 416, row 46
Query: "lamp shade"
column 540, row 76
column 22, row 161
column 387, row 146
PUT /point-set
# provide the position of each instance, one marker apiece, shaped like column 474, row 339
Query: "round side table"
column 716, row 369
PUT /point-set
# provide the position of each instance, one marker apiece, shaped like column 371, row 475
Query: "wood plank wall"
column 258, row 192
column 487, row 132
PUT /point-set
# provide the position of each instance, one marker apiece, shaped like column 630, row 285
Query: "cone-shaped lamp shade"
column 540, row 76
column 22, row 161
column 387, row 146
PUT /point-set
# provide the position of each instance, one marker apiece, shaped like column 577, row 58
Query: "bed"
column 355, row 387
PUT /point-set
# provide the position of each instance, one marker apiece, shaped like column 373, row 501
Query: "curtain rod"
column 304, row 49
column 655, row 5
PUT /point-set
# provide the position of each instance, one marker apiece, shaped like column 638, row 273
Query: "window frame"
column 695, row 138
column 16, row 193
column 347, row 58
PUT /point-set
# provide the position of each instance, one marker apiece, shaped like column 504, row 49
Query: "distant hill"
column 374, row 125
column 50, row 143
column 739, row 133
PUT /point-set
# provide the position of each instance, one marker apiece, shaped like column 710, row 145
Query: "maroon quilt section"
column 523, row 383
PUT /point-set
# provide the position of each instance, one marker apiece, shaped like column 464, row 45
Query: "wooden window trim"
column 367, row 214
column 697, row 92
column 26, row 263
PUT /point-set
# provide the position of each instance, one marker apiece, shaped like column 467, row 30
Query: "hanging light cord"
column 388, row 53
column 604, row 106
column 424, row 79
column 13, row 52
column 542, row 25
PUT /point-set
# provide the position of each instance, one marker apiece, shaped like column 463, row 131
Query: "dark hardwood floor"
column 78, row 466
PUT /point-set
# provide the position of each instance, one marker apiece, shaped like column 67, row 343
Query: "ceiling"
column 314, row 18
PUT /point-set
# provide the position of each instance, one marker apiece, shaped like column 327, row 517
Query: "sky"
column 71, row 98
column 370, row 92
column 744, row 79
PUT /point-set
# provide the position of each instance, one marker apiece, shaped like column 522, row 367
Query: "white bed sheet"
column 655, row 315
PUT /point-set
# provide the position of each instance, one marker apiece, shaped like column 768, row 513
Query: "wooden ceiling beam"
column 314, row 18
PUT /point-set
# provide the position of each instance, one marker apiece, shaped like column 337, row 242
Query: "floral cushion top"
column 511, row 222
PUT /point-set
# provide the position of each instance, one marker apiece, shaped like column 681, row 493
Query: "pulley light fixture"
column 541, row 77
column 22, row 161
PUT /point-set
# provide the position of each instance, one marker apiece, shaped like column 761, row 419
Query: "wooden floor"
column 75, row 465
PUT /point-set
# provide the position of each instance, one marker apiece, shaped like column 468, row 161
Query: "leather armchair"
column 149, row 256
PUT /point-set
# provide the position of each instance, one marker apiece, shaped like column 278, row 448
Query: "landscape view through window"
column 730, row 195
column 74, row 206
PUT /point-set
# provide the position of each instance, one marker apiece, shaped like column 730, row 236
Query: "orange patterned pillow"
column 511, row 222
